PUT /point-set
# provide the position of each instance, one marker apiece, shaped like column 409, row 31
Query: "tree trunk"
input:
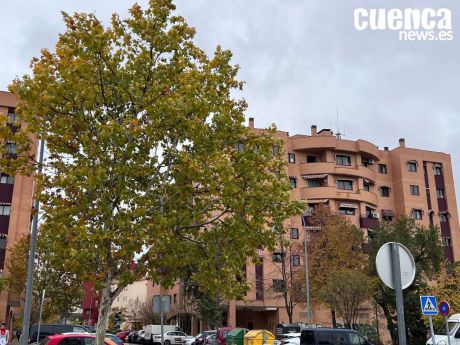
column 104, row 310
column 334, row 320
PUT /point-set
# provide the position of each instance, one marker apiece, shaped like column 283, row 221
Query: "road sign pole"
column 398, row 290
column 433, row 341
column 161, row 319
column 447, row 330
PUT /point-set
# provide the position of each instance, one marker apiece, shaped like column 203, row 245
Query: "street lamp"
column 307, row 280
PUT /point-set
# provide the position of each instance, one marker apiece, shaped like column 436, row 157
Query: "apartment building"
column 16, row 197
column 358, row 180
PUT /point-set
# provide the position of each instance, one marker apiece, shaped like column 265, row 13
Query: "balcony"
column 334, row 193
column 332, row 168
column 368, row 223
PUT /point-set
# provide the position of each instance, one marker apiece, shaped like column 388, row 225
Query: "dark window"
column 414, row 190
column 340, row 338
column 347, row 211
column 11, row 148
column 11, row 116
column 342, row 160
column 278, row 285
column 175, row 298
column 295, row 260
column 6, row 179
column 384, row 191
column 417, row 214
column 277, row 257
column 367, row 186
column 240, row 147
column 440, row 193
column 291, row 157
column 345, row 184
column 447, row 242
column 356, row 339
column 383, row 169
column 294, row 233
column 5, row 210
column 437, row 170
column 313, row 183
column 260, row 282
column 311, row 159
column 276, row 150
column 77, row 341
column 325, row 338
column 412, row 166
column 307, row 337
column 293, row 182
column 443, row 217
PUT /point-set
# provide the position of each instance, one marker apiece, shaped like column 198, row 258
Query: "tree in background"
column 334, row 248
column 63, row 289
column 288, row 266
column 425, row 246
column 346, row 291
column 148, row 161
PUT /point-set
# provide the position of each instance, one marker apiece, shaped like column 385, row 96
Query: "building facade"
column 16, row 198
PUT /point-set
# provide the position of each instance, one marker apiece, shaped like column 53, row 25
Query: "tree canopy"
column 148, row 159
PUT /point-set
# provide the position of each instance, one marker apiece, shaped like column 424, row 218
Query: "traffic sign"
column 444, row 308
column 428, row 304
column 384, row 264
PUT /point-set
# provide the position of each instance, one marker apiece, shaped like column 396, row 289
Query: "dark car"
column 201, row 338
column 331, row 336
column 46, row 330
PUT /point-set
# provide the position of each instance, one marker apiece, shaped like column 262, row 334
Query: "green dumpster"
column 236, row 336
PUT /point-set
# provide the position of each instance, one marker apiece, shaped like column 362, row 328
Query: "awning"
column 388, row 213
column 313, row 228
column 347, row 205
column 317, row 201
column 312, row 177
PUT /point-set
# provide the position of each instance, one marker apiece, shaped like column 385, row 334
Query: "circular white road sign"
column 384, row 265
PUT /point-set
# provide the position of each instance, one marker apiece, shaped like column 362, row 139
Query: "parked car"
column 170, row 338
column 336, row 336
column 114, row 338
column 454, row 332
column 200, row 338
column 123, row 334
column 211, row 339
column 74, row 339
column 133, row 337
column 222, row 335
column 290, row 339
column 152, row 330
column 141, row 336
column 51, row 329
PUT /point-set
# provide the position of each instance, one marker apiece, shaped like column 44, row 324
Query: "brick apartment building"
column 16, row 197
column 354, row 178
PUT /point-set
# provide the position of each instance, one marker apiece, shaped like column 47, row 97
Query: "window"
column 347, row 211
column 293, row 182
column 340, row 338
column 440, row 193
column 414, row 190
column 384, row 192
column 356, row 339
column 342, row 160
column 77, row 341
column 240, row 147
column 311, row 159
column 291, row 157
column 294, row 234
column 437, row 169
column 313, row 183
column 5, row 210
column 443, row 217
column 446, row 241
column 278, row 285
column 6, row 179
column 412, row 166
column 325, row 338
column 295, row 259
column 11, row 148
column 277, row 257
column 276, row 150
column 175, row 298
column 11, row 117
column 345, row 184
column 307, row 337
column 383, row 169
column 417, row 214
column 366, row 186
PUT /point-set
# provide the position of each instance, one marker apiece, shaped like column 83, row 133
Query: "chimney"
column 313, row 130
column 251, row 122
column 385, row 148
column 402, row 142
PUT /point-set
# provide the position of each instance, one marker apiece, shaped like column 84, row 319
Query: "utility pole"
column 30, row 266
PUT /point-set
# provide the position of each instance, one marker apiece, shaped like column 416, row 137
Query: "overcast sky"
column 302, row 61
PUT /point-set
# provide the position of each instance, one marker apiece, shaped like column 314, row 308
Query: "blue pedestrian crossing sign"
column 429, row 305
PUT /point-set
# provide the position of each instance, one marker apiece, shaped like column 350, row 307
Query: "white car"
column 171, row 338
column 290, row 339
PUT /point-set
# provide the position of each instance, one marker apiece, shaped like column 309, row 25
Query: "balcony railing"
column 368, row 222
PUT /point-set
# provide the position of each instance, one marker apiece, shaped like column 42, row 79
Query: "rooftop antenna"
column 338, row 134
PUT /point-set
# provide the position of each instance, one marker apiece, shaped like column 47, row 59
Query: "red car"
column 74, row 339
column 222, row 334
column 123, row 334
